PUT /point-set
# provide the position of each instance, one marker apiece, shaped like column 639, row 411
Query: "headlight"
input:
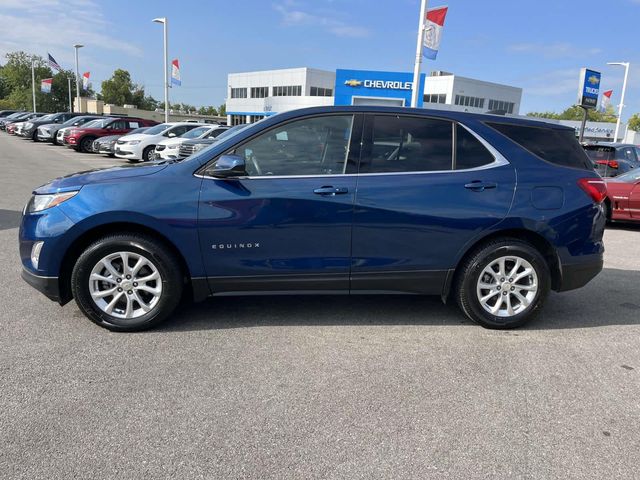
column 45, row 131
column 27, row 126
column 134, row 142
column 172, row 147
column 199, row 146
column 42, row 202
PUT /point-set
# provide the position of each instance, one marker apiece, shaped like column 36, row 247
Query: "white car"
column 140, row 146
column 168, row 149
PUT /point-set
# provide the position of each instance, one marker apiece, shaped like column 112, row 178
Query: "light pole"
column 624, row 88
column 163, row 21
column 77, row 46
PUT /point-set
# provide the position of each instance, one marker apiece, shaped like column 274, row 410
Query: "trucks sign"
column 589, row 88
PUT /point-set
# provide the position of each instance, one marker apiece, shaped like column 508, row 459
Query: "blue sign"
column 589, row 88
column 363, row 87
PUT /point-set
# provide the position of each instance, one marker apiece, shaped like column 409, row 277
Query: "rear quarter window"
column 554, row 145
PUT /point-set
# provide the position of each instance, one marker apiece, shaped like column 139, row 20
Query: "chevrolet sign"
column 381, row 84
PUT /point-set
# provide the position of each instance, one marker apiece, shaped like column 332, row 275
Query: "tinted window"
column 629, row 154
column 118, row 125
column 558, row 146
column 630, row 177
column 470, row 153
column 409, row 144
column 313, row 146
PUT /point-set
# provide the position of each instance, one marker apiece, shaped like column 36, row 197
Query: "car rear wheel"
column 127, row 282
column 86, row 145
column 503, row 284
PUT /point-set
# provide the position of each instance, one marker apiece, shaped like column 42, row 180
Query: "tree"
column 210, row 110
column 575, row 113
column 119, row 89
column 634, row 122
column 222, row 110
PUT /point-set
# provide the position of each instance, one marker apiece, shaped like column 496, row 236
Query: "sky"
column 538, row 46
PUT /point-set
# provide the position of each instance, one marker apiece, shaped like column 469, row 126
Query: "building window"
column 256, row 118
column 321, row 92
column 435, row 98
column 238, row 93
column 238, row 119
column 259, row 92
column 288, row 91
column 475, row 102
column 502, row 106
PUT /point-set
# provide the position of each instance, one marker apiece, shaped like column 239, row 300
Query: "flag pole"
column 33, row 85
column 416, row 68
column 70, row 104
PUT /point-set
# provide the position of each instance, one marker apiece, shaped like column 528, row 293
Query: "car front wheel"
column 503, row 284
column 127, row 282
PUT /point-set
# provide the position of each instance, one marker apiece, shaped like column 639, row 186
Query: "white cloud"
column 552, row 50
column 293, row 15
column 41, row 26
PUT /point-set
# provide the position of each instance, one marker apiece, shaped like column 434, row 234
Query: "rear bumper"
column 577, row 275
column 48, row 286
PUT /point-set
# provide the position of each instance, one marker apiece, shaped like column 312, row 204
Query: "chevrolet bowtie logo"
column 593, row 80
column 353, row 83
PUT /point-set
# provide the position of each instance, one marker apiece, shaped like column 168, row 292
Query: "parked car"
column 30, row 129
column 141, row 146
column 623, row 197
column 10, row 118
column 6, row 113
column 190, row 147
column 328, row 199
column 612, row 159
column 20, row 117
column 107, row 145
column 49, row 132
column 169, row 148
column 22, row 126
column 15, row 128
column 81, row 139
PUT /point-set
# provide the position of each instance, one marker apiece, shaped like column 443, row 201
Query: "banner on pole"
column 85, row 80
column 175, row 73
column 45, row 85
column 606, row 100
column 433, row 27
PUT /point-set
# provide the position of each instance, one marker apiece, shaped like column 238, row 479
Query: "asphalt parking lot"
column 314, row 387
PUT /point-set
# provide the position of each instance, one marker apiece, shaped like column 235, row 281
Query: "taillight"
column 594, row 187
column 608, row 163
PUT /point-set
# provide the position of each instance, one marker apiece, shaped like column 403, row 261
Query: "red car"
column 81, row 139
column 623, row 197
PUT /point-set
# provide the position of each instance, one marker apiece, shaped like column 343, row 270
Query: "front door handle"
column 479, row 186
column 330, row 190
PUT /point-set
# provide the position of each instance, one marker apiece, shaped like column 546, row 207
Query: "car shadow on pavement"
column 9, row 219
column 610, row 299
column 628, row 226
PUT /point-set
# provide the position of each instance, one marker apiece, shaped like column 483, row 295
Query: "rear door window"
column 554, row 145
column 470, row 152
column 408, row 144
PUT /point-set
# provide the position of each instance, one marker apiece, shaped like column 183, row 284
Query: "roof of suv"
column 447, row 114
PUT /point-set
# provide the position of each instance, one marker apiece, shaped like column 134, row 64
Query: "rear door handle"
column 479, row 186
column 330, row 190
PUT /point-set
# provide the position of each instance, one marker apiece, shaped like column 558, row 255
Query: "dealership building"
column 252, row 96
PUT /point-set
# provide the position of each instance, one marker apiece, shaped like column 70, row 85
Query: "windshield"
column 196, row 132
column 138, row 130
column 599, row 152
column 51, row 116
column 14, row 115
column 631, row 176
column 223, row 136
column 93, row 123
column 158, row 129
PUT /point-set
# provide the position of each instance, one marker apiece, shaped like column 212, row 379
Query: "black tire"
column 469, row 274
column 147, row 153
column 34, row 137
column 163, row 259
column 86, row 145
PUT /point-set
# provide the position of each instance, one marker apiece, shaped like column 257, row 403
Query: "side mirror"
column 228, row 166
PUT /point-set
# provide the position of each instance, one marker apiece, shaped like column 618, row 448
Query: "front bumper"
column 133, row 152
column 49, row 286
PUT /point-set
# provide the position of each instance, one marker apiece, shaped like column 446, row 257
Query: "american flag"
column 53, row 63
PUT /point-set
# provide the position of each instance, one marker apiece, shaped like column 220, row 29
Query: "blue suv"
column 489, row 211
